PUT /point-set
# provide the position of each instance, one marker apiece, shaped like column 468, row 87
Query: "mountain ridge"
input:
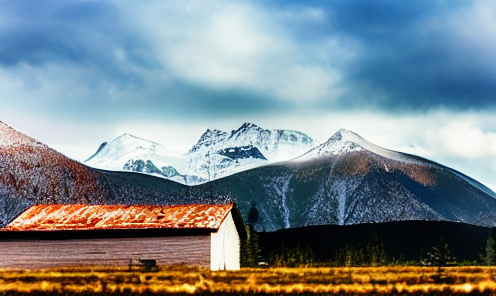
column 32, row 173
column 206, row 160
column 346, row 184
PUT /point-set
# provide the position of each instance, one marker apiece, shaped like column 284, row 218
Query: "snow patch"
column 280, row 186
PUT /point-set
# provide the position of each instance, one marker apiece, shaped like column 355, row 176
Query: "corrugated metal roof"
column 97, row 217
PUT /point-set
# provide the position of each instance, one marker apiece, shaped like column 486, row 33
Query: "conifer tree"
column 375, row 252
column 440, row 255
column 293, row 257
column 488, row 257
column 251, row 254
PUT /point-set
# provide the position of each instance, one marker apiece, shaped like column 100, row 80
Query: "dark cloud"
column 94, row 52
column 40, row 32
column 383, row 20
column 406, row 64
column 424, row 70
column 85, row 38
column 363, row 19
column 85, row 33
column 398, row 60
column 407, row 54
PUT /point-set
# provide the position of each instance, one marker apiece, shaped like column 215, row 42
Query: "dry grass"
column 360, row 280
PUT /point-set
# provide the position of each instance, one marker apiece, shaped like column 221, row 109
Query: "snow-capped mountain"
column 348, row 180
column 130, row 153
column 216, row 154
column 209, row 158
column 275, row 145
column 345, row 141
column 345, row 180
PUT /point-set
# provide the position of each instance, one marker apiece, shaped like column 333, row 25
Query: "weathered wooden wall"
column 187, row 250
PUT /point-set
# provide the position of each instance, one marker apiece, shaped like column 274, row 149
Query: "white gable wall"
column 225, row 246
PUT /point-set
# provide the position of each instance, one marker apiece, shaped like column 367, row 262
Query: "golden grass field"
column 190, row 280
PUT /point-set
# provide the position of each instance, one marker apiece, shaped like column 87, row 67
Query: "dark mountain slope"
column 356, row 186
column 137, row 188
column 32, row 173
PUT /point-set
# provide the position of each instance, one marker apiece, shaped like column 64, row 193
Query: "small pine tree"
column 251, row 254
column 488, row 256
column 255, row 245
column 293, row 257
column 440, row 255
column 349, row 256
column 344, row 256
column 375, row 254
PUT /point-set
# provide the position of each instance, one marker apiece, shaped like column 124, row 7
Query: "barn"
column 47, row 236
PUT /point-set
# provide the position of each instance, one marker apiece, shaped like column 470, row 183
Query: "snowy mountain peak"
column 220, row 154
column 344, row 135
column 213, row 133
column 345, row 141
column 129, row 137
column 209, row 138
column 216, row 154
column 128, row 151
column 247, row 126
column 128, row 140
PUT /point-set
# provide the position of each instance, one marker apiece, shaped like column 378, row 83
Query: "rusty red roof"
column 97, row 217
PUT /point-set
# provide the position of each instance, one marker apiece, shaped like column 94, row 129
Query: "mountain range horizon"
column 278, row 178
column 207, row 140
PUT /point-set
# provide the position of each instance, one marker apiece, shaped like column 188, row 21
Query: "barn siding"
column 187, row 250
column 225, row 246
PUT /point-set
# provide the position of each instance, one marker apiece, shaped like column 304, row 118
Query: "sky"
column 413, row 76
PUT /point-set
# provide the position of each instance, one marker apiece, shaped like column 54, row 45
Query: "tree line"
column 372, row 253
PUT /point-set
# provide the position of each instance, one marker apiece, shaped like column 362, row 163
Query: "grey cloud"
column 96, row 65
column 414, row 55
column 184, row 101
column 431, row 75
column 399, row 55
column 84, row 33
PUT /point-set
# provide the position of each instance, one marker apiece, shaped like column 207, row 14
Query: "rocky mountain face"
column 348, row 180
column 216, row 154
column 32, row 173
column 343, row 181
